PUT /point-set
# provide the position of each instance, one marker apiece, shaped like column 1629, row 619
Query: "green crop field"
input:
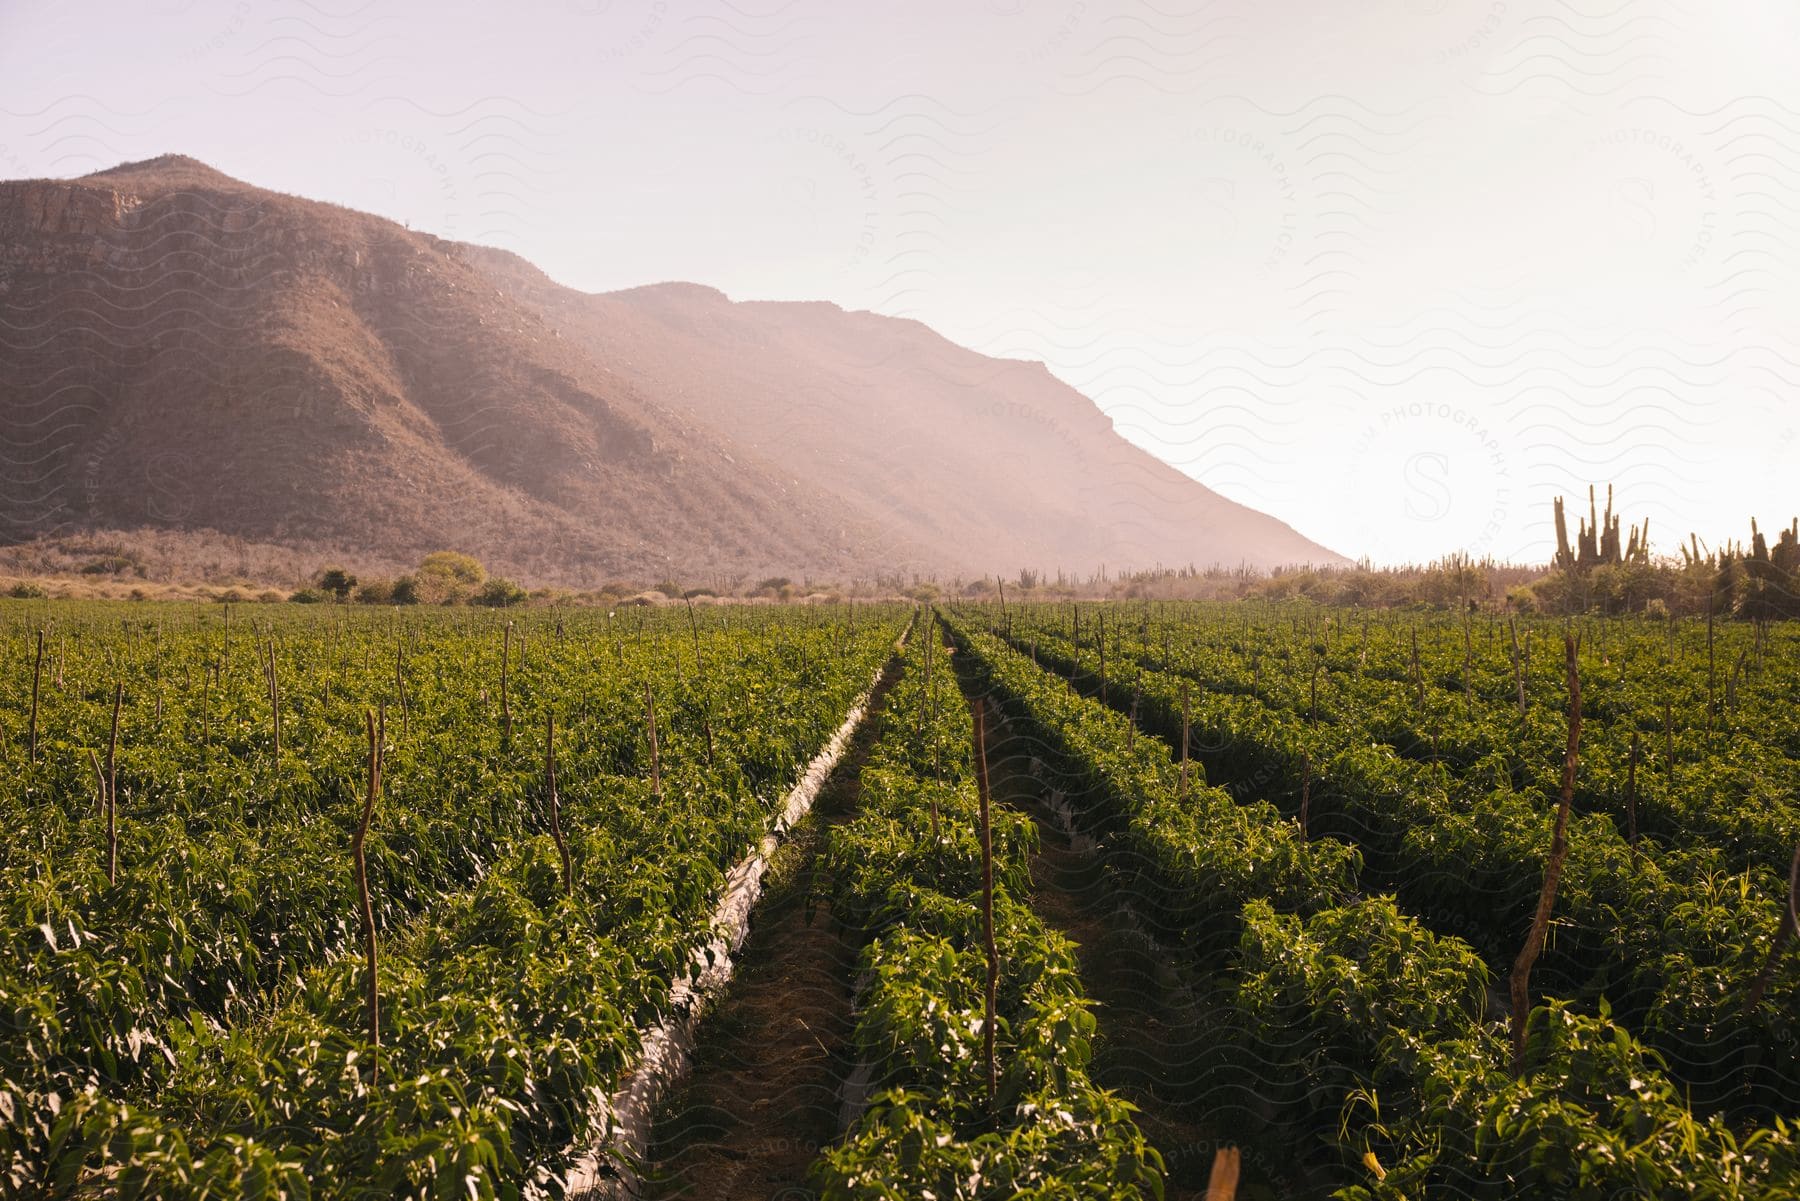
column 1353, row 855
column 331, row 902
column 191, row 1019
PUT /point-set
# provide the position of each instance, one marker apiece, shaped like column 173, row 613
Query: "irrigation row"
column 716, row 1138
column 611, row 1171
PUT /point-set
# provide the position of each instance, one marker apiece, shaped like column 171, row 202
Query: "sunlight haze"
column 1396, row 274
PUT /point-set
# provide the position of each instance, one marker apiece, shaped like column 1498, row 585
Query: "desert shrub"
column 231, row 596
column 375, row 592
column 447, row 576
column 336, row 581
column 406, row 591
column 498, row 593
column 669, row 588
column 269, row 596
column 26, row 590
column 308, row 596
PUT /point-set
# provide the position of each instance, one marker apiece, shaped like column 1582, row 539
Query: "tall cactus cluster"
column 1755, row 583
column 1597, row 542
column 1761, row 583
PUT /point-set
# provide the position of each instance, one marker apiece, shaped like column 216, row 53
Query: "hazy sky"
column 1396, row 271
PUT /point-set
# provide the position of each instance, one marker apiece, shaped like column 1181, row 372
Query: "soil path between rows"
column 764, row 1094
column 1148, row 1041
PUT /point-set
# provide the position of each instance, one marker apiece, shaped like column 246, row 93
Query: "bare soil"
column 763, row 1098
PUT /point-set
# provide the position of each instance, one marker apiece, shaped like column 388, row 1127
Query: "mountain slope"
column 182, row 350
column 995, row 459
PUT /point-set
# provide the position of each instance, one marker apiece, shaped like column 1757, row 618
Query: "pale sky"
column 1397, row 272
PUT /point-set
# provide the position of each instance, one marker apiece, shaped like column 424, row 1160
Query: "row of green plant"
column 1673, row 749
column 1712, row 717
column 953, row 1114
column 1366, row 1040
column 191, row 1021
column 1671, row 937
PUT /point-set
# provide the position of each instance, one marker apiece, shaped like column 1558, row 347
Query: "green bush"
column 336, row 581
column 446, row 576
column 375, row 592
column 499, row 593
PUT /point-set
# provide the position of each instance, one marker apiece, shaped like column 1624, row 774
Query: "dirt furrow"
column 764, row 1095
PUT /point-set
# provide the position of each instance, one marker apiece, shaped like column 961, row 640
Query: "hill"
column 181, row 350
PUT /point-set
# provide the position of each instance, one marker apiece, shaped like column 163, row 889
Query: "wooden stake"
column 937, row 766
column 112, row 789
column 400, row 687
column 1103, row 656
column 694, row 629
column 1559, row 849
column 274, row 699
column 1711, row 664
column 987, row 901
column 655, row 749
column 1518, row 669
column 1222, row 1183
column 505, row 698
column 562, row 847
column 925, row 693
column 37, row 676
column 377, row 736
